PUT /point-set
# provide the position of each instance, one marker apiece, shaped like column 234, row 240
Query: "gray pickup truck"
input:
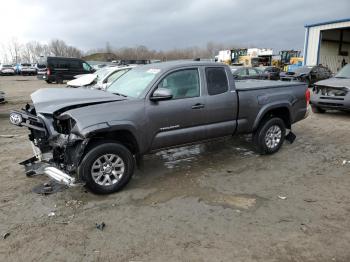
column 97, row 137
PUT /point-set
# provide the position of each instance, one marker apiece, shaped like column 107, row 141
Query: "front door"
column 179, row 120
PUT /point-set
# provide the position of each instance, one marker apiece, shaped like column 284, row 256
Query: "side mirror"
column 161, row 94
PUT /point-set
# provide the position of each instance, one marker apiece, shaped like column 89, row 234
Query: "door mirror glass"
column 161, row 94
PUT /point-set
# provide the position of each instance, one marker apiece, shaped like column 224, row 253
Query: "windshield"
column 344, row 72
column 134, row 82
column 101, row 73
column 7, row 66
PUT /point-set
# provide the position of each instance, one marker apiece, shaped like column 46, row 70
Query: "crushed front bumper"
column 35, row 166
column 55, row 155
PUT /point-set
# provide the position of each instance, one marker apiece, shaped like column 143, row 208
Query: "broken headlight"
column 64, row 125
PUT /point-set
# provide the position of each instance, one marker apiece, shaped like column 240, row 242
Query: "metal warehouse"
column 327, row 43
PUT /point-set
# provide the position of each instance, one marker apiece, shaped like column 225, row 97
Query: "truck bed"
column 251, row 84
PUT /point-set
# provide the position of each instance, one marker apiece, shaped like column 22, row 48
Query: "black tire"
column 96, row 152
column 260, row 135
column 58, row 80
column 48, row 81
column 318, row 110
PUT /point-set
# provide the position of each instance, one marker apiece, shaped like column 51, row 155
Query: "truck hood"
column 83, row 80
column 335, row 82
column 50, row 100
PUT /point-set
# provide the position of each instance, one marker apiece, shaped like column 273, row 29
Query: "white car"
column 6, row 70
column 27, row 69
column 101, row 79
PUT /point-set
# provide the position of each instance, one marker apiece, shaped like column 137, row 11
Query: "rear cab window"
column 217, row 82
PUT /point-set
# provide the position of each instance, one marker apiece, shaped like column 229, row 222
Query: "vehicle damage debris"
column 100, row 226
column 6, row 235
column 49, row 188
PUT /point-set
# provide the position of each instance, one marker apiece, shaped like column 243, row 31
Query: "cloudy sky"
column 165, row 24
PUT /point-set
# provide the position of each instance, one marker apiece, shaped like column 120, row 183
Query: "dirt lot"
column 211, row 202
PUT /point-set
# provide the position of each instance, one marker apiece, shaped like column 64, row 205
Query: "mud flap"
column 290, row 137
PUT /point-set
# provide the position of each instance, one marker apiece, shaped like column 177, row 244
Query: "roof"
column 328, row 22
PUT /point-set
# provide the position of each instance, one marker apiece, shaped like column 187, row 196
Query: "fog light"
column 15, row 119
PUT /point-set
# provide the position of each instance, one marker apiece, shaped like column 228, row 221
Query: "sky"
column 165, row 24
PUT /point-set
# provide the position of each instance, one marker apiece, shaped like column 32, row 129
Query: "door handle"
column 198, row 106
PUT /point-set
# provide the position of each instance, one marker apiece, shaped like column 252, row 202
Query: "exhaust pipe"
column 60, row 176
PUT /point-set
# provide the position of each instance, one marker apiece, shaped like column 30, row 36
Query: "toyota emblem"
column 15, row 119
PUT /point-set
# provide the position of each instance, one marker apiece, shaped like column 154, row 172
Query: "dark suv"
column 307, row 74
column 64, row 68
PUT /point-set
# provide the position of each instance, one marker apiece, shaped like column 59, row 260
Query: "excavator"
column 290, row 57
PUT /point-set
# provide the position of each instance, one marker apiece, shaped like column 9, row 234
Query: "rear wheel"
column 59, row 79
column 318, row 110
column 270, row 135
column 107, row 168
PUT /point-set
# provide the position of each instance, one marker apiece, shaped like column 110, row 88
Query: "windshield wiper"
column 119, row 94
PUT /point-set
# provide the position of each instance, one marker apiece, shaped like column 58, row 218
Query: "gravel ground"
column 217, row 201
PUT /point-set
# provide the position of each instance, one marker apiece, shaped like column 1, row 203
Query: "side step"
column 60, row 176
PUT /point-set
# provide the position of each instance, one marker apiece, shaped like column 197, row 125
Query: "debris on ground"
column 303, row 227
column 7, row 136
column 285, row 220
column 346, row 162
column 74, row 204
column 100, row 226
column 309, row 200
column 48, row 188
column 282, row 197
column 51, row 214
column 6, row 235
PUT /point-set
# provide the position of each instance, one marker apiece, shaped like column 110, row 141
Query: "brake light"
column 307, row 96
column 48, row 72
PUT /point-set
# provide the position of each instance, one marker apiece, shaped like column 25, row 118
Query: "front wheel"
column 107, row 168
column 270, row 135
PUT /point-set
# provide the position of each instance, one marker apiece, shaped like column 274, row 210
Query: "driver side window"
column 183, row 83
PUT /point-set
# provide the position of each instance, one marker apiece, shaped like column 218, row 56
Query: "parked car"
column 2, row 97
column 64, row 68
column 307, row 74
column 243, row 72
column 333, row 93
column 269, row 72
column 92, row 136
column 7, row 70
column 100, row 79
column 27, row 69
column 40, row 69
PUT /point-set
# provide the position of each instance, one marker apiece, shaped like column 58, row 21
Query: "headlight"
column 64, row 125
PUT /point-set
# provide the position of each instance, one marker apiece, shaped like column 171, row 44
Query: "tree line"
column 32, row 51
column 210, row 50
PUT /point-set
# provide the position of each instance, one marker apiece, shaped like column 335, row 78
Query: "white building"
column 327, row 43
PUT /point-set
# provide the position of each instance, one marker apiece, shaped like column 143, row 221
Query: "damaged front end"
column 57, row 150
